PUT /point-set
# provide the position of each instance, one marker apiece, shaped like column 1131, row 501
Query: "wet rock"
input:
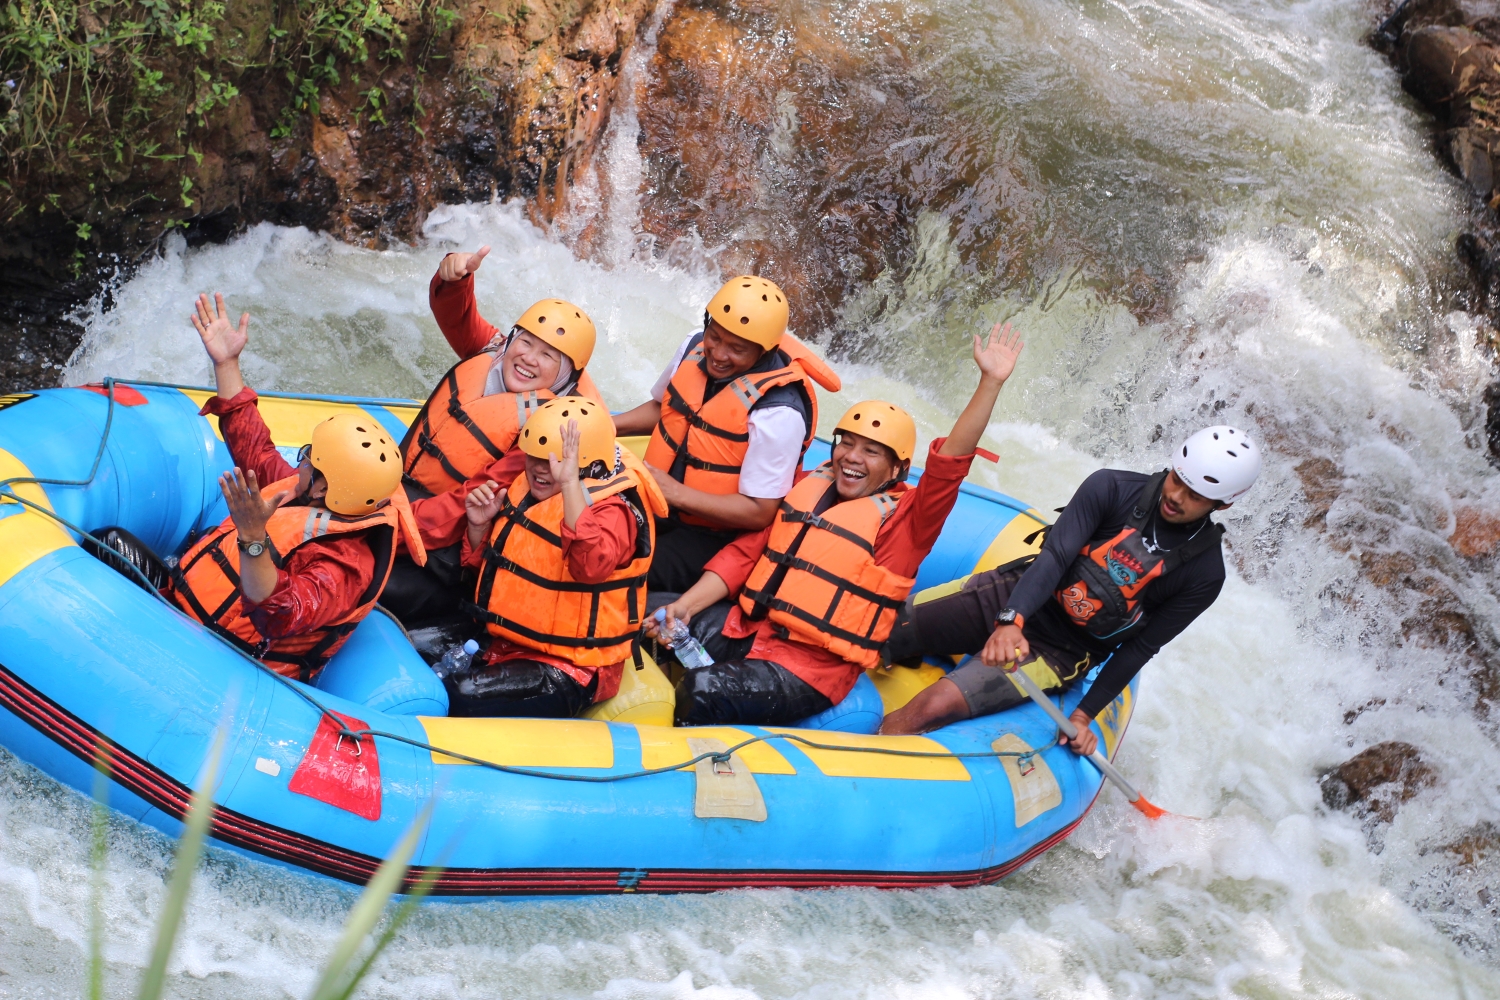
column 1374, row 782
column 1476, row 532
column 1448, row 53
column 808, row 144
column 505, row 101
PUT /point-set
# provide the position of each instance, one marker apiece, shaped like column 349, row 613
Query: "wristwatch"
column 1007, row 616
column 251, row 549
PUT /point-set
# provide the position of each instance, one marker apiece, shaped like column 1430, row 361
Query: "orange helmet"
column 358, row 458
column 561, row 325
column 884, row 423
column 751, row 307
column 596, row 430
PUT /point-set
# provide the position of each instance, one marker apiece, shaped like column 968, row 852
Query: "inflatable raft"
column 95, row 668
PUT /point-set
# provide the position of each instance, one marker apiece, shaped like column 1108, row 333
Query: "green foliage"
column 345, row 968
column 111, row 85
column 341, row 976
column 99, row 855
column 189, row 850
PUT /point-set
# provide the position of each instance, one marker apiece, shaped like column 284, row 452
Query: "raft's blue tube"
column 87, row 657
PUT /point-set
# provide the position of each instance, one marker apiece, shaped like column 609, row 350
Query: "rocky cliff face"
column 1448, row 53
column 359, row 133
column 806, row 142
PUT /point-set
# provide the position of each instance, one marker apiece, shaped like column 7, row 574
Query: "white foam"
column 1315, row 311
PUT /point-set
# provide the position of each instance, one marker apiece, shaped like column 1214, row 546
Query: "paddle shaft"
column 1071, row 731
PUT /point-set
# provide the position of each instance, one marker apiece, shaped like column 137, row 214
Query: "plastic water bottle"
column 456, row 660
column 690, row 652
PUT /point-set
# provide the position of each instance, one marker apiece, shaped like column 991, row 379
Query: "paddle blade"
column 1153, row 811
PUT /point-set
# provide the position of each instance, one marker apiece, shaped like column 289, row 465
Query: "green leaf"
column 340, row 977
column 189, row 850
column 99, row 858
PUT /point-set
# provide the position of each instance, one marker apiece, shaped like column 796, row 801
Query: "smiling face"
column 539, row 478
column 529, row 364
column 726, row 355
column 862, row 466
column 1180, row 505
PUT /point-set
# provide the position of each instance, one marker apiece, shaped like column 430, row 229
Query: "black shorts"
column 518, row 688
column 988, row 690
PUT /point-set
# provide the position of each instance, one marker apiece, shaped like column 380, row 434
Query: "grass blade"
column 99, row 858
column 392, row 928
column 338, row 981
column 189, row 850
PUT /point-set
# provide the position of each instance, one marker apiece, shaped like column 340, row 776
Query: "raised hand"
column 483, row 503
column 458, row 266
column 565, row 469
column 221, row 339
column 997, row 356
column 247, row 507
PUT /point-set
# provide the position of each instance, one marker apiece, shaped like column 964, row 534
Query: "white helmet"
column 1218, row 463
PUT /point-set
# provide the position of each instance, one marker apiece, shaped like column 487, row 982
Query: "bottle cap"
column 471, row 647
column 661, row 613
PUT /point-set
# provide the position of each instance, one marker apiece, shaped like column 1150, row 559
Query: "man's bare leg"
column 932, row 708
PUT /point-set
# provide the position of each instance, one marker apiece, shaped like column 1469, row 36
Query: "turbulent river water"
column 1257, row 164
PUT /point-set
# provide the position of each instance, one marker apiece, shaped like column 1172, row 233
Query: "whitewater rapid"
column 1312, row 299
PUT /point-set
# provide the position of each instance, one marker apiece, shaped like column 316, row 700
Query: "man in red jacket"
column 818, row 589
column 285, row 585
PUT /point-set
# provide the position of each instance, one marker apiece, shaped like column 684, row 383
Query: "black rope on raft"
column 109, row 419
column 717, row 756
column 343, row 730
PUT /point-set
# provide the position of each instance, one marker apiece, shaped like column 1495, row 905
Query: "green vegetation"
column 351, row 959
column 117, row 88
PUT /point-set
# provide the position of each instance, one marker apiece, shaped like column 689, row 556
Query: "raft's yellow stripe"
column 1010, row 544
column 1114, row 719
column 663, row 747
column 899, row 685
column 291, row 421
column 637, row 443
column 522, row 742
column 842, row 764
column 25, row 536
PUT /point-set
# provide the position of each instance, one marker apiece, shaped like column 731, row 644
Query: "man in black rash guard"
column 1131, row 561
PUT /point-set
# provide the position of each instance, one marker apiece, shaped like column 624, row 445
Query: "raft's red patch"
column 124, row 395
column 344, row 774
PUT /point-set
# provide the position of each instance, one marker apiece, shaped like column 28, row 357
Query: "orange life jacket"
column 712, row 435
column 818, row 577
column 460, row 430
column 526, row 593
column 207, row 579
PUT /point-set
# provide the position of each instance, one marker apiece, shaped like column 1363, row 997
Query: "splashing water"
column 1256, row 158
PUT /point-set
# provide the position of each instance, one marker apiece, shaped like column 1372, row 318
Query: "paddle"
column 1071, row 731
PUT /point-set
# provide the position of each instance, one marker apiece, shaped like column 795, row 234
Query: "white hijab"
column 494, row 380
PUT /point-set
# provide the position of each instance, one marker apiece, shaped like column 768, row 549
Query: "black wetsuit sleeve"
column 1201, row 581
column 1091, row 505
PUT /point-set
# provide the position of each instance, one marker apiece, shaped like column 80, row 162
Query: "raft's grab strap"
column 718, row 757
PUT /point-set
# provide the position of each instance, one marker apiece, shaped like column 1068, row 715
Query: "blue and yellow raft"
column 95, row 669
